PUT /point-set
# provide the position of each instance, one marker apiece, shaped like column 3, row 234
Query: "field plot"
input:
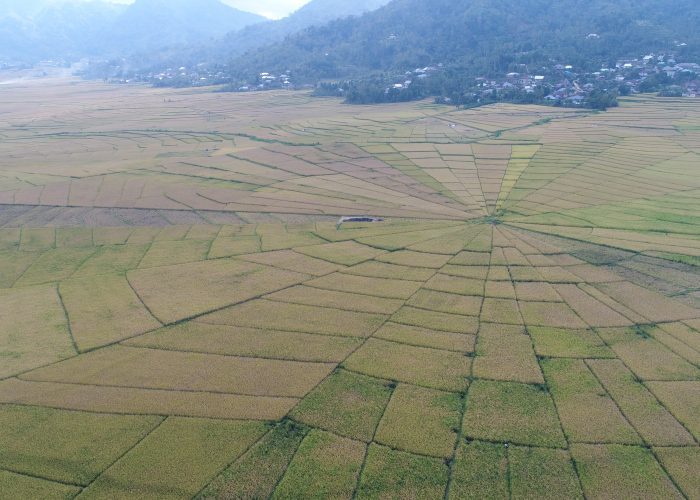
column 184, row 316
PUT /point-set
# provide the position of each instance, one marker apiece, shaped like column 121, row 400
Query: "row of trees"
column 453, row 90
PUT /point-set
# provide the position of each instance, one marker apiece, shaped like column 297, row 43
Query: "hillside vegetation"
column 480, row 36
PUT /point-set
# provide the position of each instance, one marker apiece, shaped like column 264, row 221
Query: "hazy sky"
column 274, row 9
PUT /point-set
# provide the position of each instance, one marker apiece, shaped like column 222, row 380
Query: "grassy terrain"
column 183, row 316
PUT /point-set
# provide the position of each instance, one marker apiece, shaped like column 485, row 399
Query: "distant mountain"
column 216, row 54
column 481, row 36
column 44, row 30
column 153, row 24
column 73, row 29
column 237, row 42
column 37, row 29
column 22, row 8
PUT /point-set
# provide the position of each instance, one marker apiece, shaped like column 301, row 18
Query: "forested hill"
column 207, row 58
column 234, row 43
column 153, row 24
column 314, row 13
column 481, row 36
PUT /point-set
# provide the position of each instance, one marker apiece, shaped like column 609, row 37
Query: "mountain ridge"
column 236, row 43
column 481, row 34
column 70, row 30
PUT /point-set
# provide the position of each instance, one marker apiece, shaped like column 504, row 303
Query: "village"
column 563, row 83
column 560, row 84
column 566, row 85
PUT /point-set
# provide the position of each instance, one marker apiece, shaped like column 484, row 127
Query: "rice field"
column 184, row 317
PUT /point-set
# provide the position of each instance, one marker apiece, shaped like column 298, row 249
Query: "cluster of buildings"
column 417, row 74
column 660, row 70
column 268, row 81
column 567, row 85
column 13, row 65
column 203, row 75
column 197, row 76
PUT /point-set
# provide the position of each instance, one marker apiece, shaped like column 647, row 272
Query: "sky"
column 274, row 9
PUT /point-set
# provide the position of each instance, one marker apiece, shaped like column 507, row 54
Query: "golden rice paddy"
column 183, row 316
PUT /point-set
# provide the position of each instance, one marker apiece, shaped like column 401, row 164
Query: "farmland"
column 182, row 316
